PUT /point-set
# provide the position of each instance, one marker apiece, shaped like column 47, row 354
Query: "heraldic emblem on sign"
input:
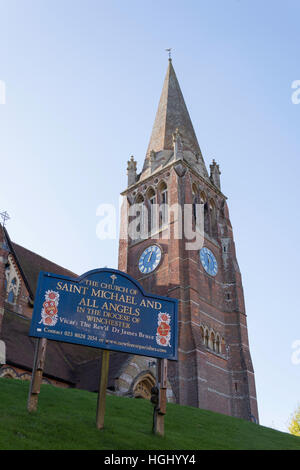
column 163, row 332
column 49, row 310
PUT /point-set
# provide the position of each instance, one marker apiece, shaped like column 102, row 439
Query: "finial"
column 4, row 216
column 169, row 52
column 131, row 171
column 131, row 164
column 215, row 174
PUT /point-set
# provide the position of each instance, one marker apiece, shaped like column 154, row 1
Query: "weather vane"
column 4, row 216
column 169, row 52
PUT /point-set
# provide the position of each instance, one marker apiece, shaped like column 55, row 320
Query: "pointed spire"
column 172, row 117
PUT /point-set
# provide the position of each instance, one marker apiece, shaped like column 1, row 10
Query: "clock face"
column 150, row 259
column 208, row 261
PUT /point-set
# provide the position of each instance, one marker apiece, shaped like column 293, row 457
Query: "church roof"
column 172, row 114
column 30, row 265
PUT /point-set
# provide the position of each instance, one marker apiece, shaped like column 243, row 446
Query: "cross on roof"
column 169, row 52
column 4, row 216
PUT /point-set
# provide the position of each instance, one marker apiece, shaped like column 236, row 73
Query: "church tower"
column 176, row 239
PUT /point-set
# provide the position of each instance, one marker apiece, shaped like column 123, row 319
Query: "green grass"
column 65, row 419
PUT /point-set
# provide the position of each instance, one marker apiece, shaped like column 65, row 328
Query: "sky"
column 82, row 83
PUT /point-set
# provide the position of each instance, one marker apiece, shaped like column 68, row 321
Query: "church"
column 174, row 196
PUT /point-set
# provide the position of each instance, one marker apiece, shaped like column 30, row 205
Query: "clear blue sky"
column 83, row 80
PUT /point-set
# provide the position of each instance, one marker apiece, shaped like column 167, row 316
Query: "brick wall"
column 222, row 382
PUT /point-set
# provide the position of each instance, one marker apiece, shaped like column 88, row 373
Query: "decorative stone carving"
column 131, row 171
column 215, row 174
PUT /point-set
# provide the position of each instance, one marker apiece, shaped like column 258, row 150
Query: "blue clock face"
column 208, row 261
column 150, row 259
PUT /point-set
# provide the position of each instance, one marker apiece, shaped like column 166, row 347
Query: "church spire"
column 172, row 117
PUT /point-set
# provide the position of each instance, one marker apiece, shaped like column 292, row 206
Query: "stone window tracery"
column 12, row 282
column 163, row 209
column 212, row 340
column 152, row 204
column 140, row 208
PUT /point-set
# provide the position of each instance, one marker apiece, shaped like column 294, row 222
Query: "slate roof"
column 31, row 264
column 173, row 114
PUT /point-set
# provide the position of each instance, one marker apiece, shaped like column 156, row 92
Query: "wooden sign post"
column 37, row 374
column 161, row 408
column 102, row 390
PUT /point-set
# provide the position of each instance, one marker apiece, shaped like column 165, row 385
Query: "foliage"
column 294, row 426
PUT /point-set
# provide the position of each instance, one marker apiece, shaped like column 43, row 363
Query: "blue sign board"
column 106, row 309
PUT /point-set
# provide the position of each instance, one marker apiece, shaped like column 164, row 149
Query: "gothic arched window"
column 195, row 196
column 203, row 200
column 142, row 388
column 12, row 291
column 206, row 338
column 140, row 213
column 211, row 343
column 213, row 218
column 12, row 281
column 163, row 208
column 202, row 334
column 218, row 344
column 11, row 297
column 151, row 196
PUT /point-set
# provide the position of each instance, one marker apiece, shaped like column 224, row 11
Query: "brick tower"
column 172, row 197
